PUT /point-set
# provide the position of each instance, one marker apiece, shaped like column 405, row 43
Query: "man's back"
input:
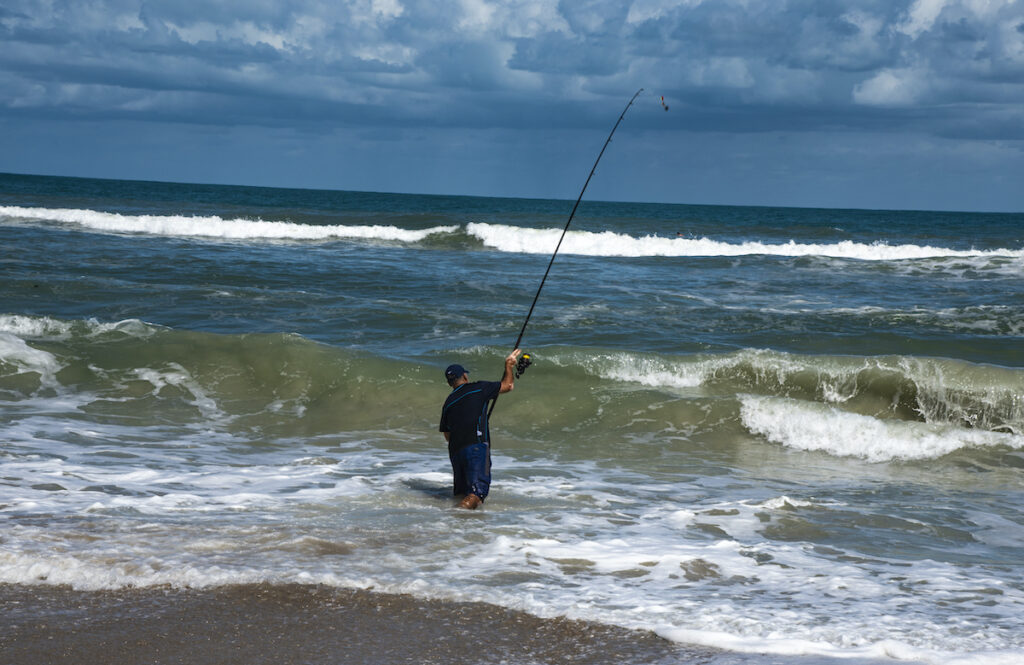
column 464, row 414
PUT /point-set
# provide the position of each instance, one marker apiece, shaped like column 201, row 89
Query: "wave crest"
column 930, row 390
column 217, row 227
column 501, row 237
column 819, row 427
column 607, row 243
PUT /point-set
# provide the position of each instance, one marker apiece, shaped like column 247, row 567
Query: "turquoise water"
column 755, row 428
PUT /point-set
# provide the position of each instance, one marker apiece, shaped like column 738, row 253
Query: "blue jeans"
column 471, row 468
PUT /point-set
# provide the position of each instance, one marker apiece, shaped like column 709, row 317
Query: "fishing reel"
column 524, row 361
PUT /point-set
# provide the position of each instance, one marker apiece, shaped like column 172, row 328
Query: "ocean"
column 760, row 434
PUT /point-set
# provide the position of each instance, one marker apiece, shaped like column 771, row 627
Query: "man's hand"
column 508, row 380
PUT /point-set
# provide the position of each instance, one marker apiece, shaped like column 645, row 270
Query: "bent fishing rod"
column 524, row 362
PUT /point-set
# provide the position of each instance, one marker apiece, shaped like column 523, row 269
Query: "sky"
column 895, row 104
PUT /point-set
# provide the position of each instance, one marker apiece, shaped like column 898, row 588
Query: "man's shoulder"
column 473, row 388
column 488, row 387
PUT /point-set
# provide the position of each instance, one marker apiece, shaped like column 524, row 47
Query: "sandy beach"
column 298, row 624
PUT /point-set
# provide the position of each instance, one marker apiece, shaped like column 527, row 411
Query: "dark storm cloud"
column 750, row 64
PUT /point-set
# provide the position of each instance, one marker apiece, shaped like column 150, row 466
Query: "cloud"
column 747, row 55
column 892, row 87
column 943, row 69
column 921, row 16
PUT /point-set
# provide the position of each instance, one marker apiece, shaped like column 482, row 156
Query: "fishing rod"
column 524, row 361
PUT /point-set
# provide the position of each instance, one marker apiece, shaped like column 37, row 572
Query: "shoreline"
column 301, row 624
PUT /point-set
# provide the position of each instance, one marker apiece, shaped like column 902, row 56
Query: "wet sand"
column 301, row 624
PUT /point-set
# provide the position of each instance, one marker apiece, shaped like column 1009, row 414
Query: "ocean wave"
column 24, row 369
column 501, row 237
column 819, row 427
column 80, row 573
column 122, row 369
column 49, row 328
column 217, row 227
column 930, row 390
column 287, row 381
column 973, row 319
column 607, row 243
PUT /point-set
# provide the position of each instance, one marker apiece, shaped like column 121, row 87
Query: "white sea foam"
column 174, row 375
column 585, row 549
column 506, row 238
column 607, row 243
column 88, row 575
column 886, row 649
column 17, row 357
column 217, row 227
column 646, row 370
column 814, row 426
column 47, row 328
column 34, row 326
column 659, row 371
column 784, row 502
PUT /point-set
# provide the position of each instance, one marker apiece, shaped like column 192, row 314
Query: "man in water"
column 464, row 425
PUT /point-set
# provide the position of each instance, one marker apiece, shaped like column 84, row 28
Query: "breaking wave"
column 884, row 407
column 501, row 237
column 608, row 243
column 930, row 390
column 217, row 227
column 820, row 427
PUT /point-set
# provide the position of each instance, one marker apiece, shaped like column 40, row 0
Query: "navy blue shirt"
column 464, row 414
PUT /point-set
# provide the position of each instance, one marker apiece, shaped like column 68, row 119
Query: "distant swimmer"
column 465, row 428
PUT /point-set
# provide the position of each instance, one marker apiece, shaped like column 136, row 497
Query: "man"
column 464, row 425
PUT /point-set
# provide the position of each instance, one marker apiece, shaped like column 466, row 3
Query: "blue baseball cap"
column 453, row 372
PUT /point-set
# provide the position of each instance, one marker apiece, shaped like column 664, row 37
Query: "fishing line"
column 522, row 366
